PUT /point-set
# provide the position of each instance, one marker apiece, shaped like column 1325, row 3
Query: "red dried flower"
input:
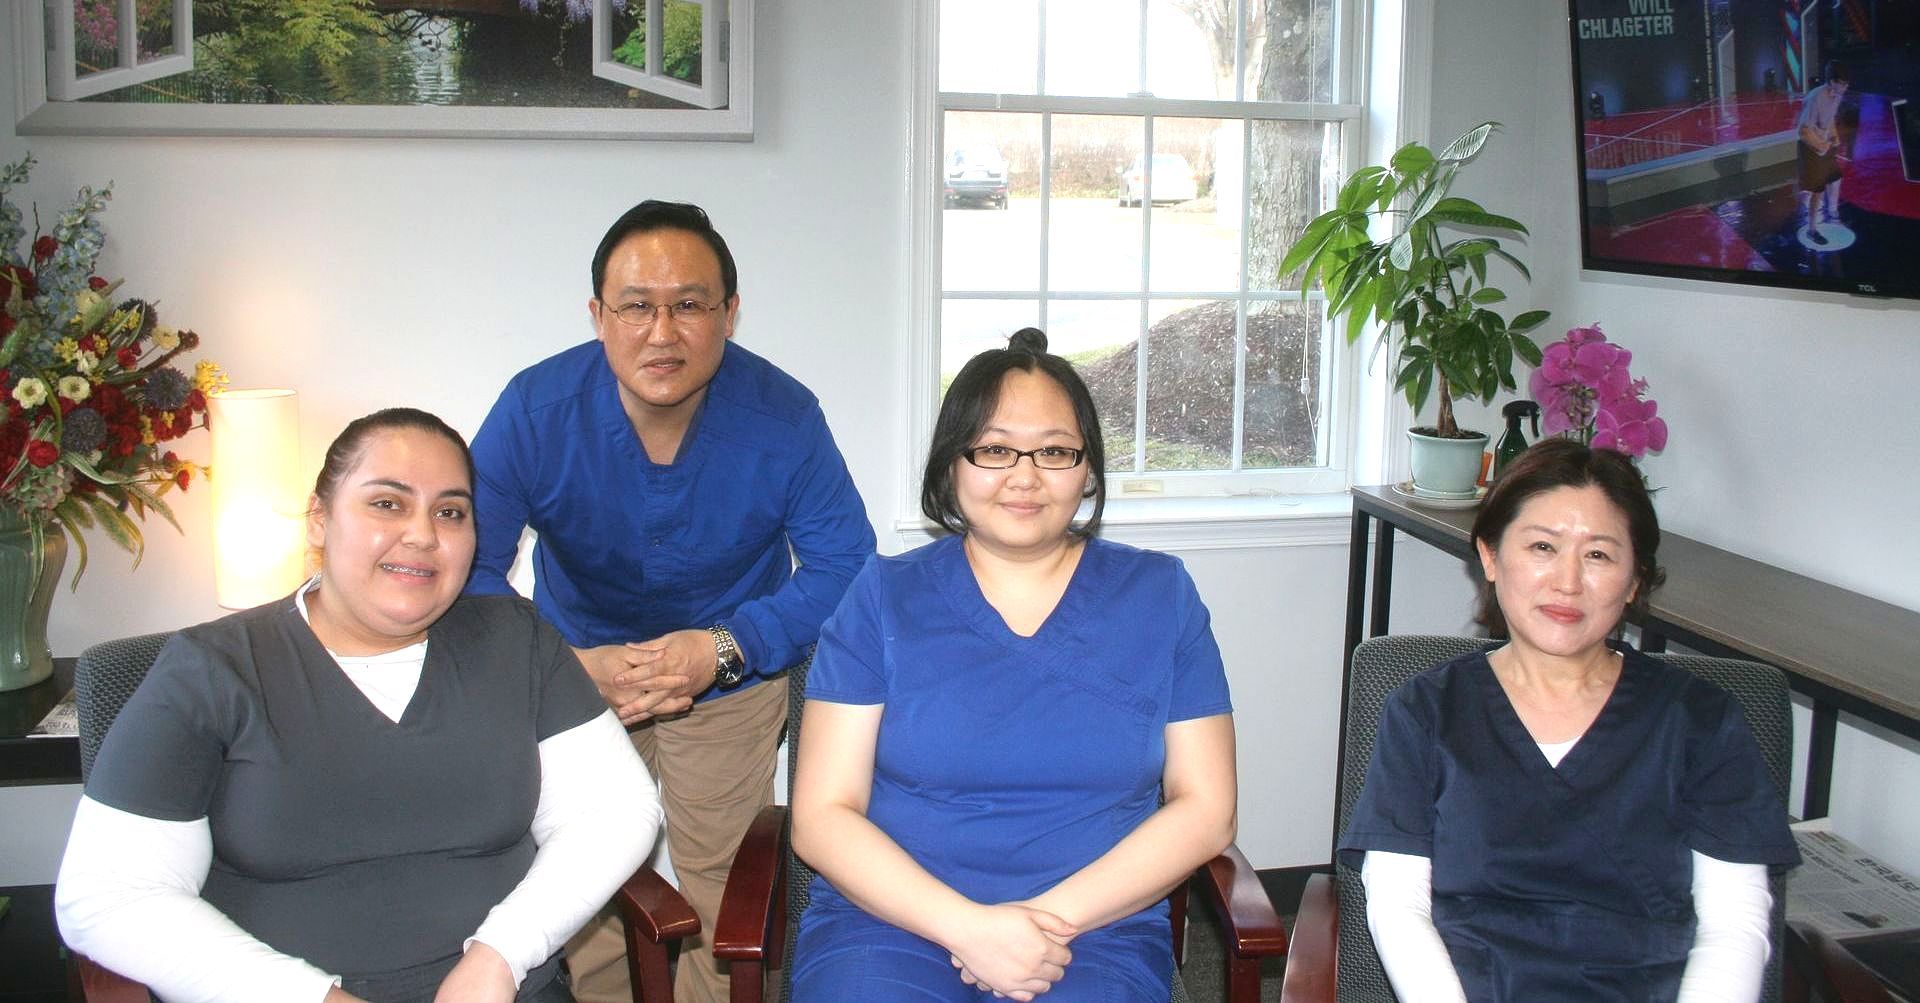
column 42, row 453
column 182, row 477
column 15, row 277
column 96, row 283
column 44, row 248
column 196, row 401
column 6, row 324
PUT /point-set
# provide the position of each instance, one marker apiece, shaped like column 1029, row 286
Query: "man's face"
column 664, row 364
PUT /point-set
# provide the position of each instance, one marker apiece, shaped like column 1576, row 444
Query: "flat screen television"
column 1774, row 142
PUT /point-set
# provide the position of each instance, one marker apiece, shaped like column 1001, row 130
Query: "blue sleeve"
column 849, row 663
column 502, row 453
column 1199, row 676
column 162, row 757
column 1395, row 811
column 1731, row 808
column 827, row 528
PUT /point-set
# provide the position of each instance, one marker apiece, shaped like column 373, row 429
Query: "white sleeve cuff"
column 1400, row 917
column 128, row 896
column 598, row 816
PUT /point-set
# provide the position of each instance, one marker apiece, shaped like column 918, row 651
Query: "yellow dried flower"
column 146, row 431
column 208, row 376
column 66, row 349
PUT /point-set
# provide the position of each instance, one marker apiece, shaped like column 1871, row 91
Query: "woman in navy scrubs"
column 1017, row 738
column 1561, row 817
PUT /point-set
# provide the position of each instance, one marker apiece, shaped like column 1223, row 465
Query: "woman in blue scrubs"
column 1018, row 738
column 1561, row 817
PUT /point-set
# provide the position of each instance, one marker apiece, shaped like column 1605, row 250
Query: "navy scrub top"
column 1575, row 882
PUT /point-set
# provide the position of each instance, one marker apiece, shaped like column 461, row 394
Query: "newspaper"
column 63, row 721
column 1844, row 891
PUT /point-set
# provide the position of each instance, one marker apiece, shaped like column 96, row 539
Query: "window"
column 1124, row 175
column 388, row 67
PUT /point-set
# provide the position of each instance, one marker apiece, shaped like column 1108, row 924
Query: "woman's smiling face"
column 1563, row 571
column 396, row 543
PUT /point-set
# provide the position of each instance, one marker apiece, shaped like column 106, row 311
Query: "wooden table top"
column 1852, row 643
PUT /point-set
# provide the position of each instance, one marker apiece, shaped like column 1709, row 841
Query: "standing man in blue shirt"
column 674, row 479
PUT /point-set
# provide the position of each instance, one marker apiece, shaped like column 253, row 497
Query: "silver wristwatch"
column 729, row 667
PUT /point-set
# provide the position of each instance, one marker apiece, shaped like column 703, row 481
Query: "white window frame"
column 727, row 53
column 710, row 92
column 1390, row 74
column 65, row 83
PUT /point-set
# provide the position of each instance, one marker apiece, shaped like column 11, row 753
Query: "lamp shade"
column 258, row 506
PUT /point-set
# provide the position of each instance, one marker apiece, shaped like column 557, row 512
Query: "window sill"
column 1187, row 524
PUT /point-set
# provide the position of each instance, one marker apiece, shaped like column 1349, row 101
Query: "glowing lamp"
column 258, row 504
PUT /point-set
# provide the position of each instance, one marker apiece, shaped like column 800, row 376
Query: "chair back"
column 799, row 877
column 1380, row 665
column 104, row 677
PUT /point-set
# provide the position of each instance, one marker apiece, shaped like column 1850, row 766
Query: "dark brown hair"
column 351, row 443
column 969, row 405
column 1563, row 463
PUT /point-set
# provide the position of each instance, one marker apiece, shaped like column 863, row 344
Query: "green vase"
column 25, row 599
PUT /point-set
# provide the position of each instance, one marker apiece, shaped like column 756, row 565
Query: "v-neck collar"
column 1520, row 742
column 316, row 653
column 971, row 602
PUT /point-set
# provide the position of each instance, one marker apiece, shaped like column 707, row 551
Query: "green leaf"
column 1312, row 239
column 1515, row 262
column 1491, row 221
column 1524, row 347
column 1361, row 188
column 1411, row 159
column 153, row 501
column 72, row 512
column 98, row 476
column 1401, row 256
column 1528, row 321
column 1503, row 361
column 1485, row 296
column 1417, row 396
column 1432, row 196
column 1469, row 142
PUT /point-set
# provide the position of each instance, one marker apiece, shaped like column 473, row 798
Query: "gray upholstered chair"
column 105, row 677
column 1333, row 955
column 767, row 891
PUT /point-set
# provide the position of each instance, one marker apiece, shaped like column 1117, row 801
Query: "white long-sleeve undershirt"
column 1732, row 939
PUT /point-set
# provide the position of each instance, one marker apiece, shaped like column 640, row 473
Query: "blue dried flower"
column 167, row 389
column 83, row 431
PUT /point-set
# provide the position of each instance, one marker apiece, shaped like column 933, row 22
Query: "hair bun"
column 1029, row 339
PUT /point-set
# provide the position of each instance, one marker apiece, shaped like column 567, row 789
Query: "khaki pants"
column 715, row 769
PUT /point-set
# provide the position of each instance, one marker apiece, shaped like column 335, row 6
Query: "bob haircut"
column 654, row 215
column 347, row 448
column 1563, row 463
column 970, row 404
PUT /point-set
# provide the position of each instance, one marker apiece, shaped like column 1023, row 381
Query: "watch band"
column 730, row 667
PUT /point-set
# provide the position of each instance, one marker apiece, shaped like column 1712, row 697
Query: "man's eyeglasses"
column 641, row 314
column 1046, row 457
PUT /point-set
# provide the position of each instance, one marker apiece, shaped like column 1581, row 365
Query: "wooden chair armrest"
column 1253, row 928
column 653, row 909
column 1831, row 967
column 1316, row 938
column 97, row 984
column 747, row 906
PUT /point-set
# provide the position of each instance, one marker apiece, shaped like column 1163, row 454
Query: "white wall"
column 374, row 272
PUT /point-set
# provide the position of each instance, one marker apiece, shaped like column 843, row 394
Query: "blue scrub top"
column 1576, row 882
column 1005, row 763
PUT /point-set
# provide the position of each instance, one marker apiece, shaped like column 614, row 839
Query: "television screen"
column 1765, row 141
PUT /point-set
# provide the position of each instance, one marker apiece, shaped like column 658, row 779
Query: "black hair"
column 654, row 215
column 347, row 448
column 1563, row 463
column 1835, row 70
column 969, row 405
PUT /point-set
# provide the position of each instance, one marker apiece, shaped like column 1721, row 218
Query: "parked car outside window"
column 1173, row 180
column 977, row 175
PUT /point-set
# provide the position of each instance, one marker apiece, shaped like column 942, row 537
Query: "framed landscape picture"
column 665, row 69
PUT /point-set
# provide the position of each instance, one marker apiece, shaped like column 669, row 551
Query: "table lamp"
column 259, row 507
